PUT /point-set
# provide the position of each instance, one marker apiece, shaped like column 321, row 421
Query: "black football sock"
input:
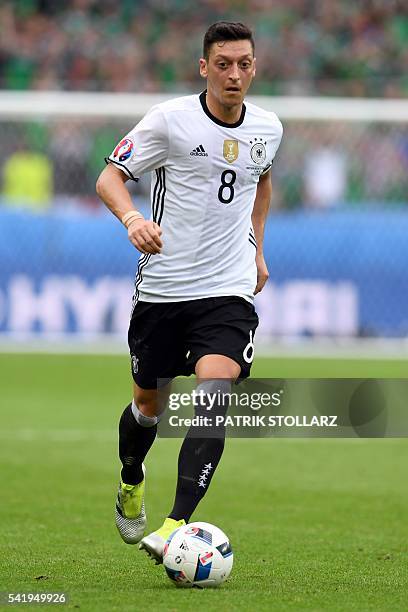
column 199, row 455
column 136, row 436
column 197, row 461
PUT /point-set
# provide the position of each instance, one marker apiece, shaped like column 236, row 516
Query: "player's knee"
column 145, row 416
column 217, row 367
column 146, row 402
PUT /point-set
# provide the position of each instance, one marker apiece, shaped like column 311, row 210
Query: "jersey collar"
column 203, row 100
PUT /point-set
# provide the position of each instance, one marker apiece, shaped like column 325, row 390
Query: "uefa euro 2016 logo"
column 124, row 150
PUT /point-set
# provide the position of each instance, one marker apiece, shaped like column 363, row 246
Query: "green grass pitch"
column 315, row 524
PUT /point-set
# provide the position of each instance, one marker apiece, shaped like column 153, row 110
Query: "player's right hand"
column 145, row 236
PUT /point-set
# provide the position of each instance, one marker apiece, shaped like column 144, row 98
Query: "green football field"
column 314, row 524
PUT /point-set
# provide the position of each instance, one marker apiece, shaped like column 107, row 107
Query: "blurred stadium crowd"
column 340, row 47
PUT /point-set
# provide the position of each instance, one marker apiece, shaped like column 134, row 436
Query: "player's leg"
column 137, row 432
column 200, row 452
column 150, row 361
column 222, row 342
column 202, row 448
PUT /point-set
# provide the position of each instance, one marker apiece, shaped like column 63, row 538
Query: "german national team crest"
column 230, row 150
column 258, row 150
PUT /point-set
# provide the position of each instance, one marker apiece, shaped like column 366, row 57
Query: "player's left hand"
column 262, row 273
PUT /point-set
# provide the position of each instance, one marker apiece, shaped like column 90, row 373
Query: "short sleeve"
column 275, row 141
column 144, row 148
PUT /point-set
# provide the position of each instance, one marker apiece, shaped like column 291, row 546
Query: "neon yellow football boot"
column 130, row 515
column 154, row 543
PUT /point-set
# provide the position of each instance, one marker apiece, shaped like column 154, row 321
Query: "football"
column 198, row 554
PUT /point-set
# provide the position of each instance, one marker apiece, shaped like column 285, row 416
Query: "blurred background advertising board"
column 335, row 241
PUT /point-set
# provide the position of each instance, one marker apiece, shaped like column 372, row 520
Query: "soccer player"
column 202, row 262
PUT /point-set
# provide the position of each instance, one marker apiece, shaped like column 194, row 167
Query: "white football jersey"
column 205, row 175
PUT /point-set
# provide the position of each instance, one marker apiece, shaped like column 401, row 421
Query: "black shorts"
column 167, row 339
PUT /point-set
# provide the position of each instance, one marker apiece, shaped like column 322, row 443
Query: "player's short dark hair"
column 226, row 30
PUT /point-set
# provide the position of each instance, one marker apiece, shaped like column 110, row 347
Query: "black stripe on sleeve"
column 108, row 160
column 267, row 168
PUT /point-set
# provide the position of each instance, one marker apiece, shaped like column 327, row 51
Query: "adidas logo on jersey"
column 199, row 151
